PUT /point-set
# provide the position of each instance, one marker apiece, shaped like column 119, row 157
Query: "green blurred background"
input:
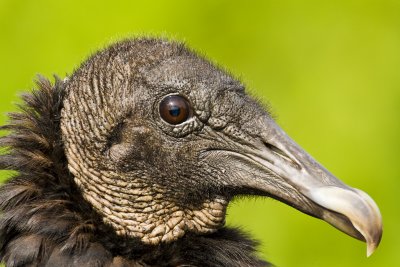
column 330, row 70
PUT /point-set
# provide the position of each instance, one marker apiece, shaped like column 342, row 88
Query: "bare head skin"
column 159, row 140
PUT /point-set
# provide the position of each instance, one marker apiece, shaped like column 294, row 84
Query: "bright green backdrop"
column 330, row 69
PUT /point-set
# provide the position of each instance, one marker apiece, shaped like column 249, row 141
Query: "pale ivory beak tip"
column 370, row 249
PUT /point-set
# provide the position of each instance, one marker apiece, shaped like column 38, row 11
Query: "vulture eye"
column 174, row 109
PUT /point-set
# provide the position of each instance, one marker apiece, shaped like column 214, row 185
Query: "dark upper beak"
column 309, row 187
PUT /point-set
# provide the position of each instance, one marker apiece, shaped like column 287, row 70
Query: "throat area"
column 144, row 212
column 165, row 222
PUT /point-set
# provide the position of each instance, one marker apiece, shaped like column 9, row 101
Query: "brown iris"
column 174, row 109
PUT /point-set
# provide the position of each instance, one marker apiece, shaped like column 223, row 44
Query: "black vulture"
column 133, row 159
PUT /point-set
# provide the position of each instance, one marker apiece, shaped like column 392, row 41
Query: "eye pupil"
column 174, row 109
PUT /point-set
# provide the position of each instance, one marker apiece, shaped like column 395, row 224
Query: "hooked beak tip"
column 372, row 237
column 364, row 220
column 371, row 247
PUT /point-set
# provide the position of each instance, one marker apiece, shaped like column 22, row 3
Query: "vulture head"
column 148, row 142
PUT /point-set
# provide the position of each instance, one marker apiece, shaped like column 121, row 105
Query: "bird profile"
column 133, row 159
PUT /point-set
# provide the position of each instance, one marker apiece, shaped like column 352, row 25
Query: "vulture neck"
column 144, row 212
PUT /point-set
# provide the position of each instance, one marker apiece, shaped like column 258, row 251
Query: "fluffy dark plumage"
column 46, row 222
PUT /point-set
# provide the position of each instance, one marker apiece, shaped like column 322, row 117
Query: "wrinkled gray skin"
column 157, row 181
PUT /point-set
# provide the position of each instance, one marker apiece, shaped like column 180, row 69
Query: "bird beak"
column 310, row 188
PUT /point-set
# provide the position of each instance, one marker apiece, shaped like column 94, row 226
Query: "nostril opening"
column 282, row 155
column 276, row 150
